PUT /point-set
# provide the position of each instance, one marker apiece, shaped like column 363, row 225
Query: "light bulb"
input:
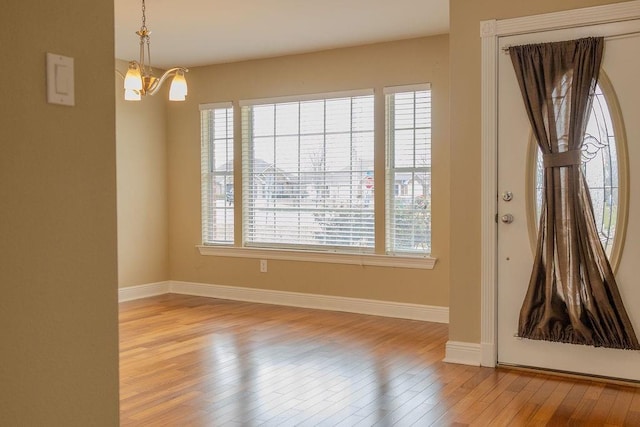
column 178, row 89
column 133, row 79
column 132, row 95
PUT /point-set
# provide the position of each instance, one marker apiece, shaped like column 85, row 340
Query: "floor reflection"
column 202, row 362
column 307, row 374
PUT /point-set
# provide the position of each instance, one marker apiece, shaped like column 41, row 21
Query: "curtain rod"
column 614, row 37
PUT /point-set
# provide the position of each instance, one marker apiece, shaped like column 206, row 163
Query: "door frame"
column 490, row 32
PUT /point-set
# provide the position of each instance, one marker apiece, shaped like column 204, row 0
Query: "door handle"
column 506, row 218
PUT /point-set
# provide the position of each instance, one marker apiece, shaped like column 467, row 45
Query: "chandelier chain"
column 144, row 16
column 145, row 51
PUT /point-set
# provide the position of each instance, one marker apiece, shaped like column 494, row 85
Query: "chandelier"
column 140, row 80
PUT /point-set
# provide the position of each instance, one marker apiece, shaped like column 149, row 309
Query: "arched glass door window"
column 604, row 163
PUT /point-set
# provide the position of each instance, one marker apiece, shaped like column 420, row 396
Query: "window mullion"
column 324, row 165
column 298, row 188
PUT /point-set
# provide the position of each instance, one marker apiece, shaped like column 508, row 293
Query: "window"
column 308, row 173
column 216, row 122
column 307, row 178
column 408, row 193
column 602, row 168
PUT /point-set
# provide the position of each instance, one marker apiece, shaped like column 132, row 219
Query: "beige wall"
column 465, row 17
column 143, row 227
column 58, row 268
column 372, row 66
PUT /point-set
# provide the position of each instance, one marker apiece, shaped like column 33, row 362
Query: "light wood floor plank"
column 193, row 361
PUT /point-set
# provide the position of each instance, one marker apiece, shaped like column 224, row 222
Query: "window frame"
column 206, row 172
column 391, row 169
column 248, row 108
column 324, row 255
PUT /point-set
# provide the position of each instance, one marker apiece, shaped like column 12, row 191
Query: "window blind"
column 408, row 192
column 308, row 173
column 217, row 173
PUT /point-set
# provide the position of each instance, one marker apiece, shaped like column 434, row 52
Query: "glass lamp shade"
column 178, row 89
column 133, row 79
column 132, row 95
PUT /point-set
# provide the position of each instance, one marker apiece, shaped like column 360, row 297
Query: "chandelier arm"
column 148, row 56
column 119, row 73
column 141, row 54
column 165, row 76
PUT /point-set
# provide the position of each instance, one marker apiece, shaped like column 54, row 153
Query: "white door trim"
column 490, row 32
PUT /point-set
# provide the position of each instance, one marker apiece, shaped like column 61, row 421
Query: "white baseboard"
column 143, row 291
column 321, row 302
column 463, row 353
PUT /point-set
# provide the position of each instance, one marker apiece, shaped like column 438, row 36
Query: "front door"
column 516, row 207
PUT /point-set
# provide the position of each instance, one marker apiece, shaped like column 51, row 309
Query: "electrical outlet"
column 263, row 266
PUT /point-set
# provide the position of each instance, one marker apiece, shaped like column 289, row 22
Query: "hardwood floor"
column 192, row 361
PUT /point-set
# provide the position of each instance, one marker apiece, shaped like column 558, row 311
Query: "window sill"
column 425, row 263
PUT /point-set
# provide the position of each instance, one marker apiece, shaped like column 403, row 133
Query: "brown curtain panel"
column 572, row 296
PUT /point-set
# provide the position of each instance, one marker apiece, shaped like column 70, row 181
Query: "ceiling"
column 202, row 32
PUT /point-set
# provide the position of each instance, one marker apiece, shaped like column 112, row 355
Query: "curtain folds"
column 572, row 296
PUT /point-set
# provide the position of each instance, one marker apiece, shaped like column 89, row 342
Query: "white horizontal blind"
column 217, row 174
column 408, row 195
column 308, row 174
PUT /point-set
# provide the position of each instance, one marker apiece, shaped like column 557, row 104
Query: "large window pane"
column 308, row 182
